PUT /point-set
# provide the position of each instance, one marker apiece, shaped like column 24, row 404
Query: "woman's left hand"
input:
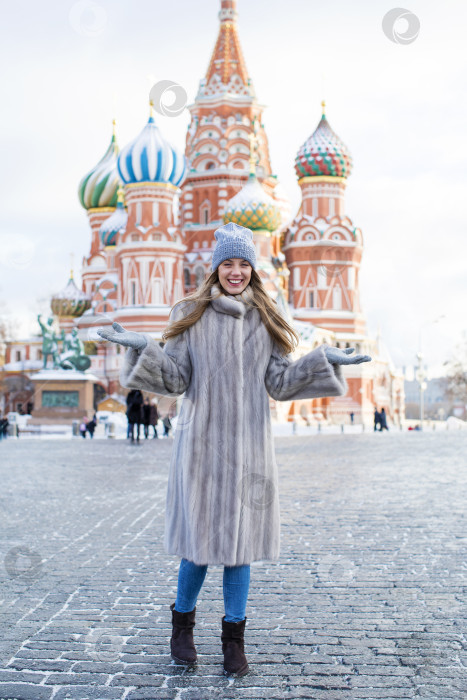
column 336, row 356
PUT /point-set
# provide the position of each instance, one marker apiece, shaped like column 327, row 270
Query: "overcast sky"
column 401, row 109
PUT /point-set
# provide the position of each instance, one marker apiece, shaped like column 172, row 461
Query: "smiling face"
column 234, row 275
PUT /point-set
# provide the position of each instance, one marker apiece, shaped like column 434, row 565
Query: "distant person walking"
column 377, row 419
column 166, row 422
column 83, row 426
column 4, row 428
column 383, row 420
column 91, row 426
column 146, row 417
column 134, row 413
column 352, row 416
column 153, row 418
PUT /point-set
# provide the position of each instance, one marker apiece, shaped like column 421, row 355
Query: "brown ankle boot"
column 232, row 646
column 182, row 646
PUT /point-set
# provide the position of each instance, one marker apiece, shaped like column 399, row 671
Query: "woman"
column 226, row 349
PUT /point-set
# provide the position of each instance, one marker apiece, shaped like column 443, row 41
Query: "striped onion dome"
column 323, row 153
column 150, row 158
column 71, row 301
column 116, row 222
column 253, row 208
column 99, row 187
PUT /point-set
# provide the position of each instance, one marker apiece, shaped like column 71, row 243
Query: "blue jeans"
column 236, row 583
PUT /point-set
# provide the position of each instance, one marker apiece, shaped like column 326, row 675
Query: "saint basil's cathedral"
column 152, row 213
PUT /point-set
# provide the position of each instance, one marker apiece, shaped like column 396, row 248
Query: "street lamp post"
column 420, row 374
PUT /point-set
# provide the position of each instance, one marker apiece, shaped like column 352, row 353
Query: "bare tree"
column 455, row 382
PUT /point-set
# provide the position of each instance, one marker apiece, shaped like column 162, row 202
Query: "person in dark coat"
column 146, row 417
column 383, row 420
column 91, row 426
column 153, row 418
column 134, row 402
column 377, row 419
column 167, row 423
column 4, row 428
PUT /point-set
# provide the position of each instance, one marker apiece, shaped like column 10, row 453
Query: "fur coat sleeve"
column 165, row 371
column 309, row 377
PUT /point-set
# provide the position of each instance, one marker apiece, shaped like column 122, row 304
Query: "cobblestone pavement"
column 367, row 600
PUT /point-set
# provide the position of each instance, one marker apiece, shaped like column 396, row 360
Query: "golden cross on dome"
column 71, row 265
column 323, row 107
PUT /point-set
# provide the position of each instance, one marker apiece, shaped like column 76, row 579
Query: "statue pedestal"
column 61, row 396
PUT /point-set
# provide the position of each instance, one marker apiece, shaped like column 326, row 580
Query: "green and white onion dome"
column 323, row 154
column 98, row 188
column 253, row 208
column 71, row 301
column 116, row 223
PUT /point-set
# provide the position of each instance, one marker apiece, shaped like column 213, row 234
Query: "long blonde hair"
column 283, row 333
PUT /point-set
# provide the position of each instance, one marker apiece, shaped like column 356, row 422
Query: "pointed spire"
column 227, row 58
column 151, row 110
column 228, row 11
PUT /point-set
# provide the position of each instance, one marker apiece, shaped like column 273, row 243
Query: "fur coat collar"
column 233, row 304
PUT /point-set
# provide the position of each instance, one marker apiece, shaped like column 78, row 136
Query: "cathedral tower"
column 97, row 193
column 149, row 252
column 224, row 115
column 323, row 248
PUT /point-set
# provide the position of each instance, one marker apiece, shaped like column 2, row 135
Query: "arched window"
column 210, row 165
column 205, row 212
column 187, row 277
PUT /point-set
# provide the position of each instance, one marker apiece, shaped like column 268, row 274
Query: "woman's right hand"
column 123, row 337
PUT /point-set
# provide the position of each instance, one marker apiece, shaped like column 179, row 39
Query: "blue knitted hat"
column 233, row 241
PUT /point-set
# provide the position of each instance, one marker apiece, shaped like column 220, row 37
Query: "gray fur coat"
column 222, row 498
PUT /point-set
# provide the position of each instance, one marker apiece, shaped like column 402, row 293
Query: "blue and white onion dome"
column 150, row 158
column 116, row 223
column 98, row 188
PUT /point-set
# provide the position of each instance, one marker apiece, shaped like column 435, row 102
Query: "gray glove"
column 336, row 356
column 123, row 337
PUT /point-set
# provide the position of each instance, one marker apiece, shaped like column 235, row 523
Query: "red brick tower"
column 323, row 248
column 223, row 116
